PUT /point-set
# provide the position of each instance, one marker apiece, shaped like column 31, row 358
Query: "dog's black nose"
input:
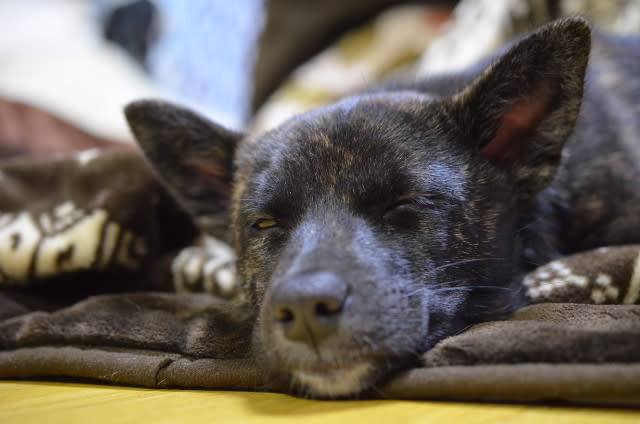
column 308, row 307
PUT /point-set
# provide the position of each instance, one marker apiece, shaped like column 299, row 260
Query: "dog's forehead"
column 357, row 127
column 375, row 142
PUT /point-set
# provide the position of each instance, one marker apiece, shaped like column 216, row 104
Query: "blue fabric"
column 205, row 53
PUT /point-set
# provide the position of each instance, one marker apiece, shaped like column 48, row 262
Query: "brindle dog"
column 370, row 229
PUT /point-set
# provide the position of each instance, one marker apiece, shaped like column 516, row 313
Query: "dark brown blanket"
column 568, row 352
column 98, row 223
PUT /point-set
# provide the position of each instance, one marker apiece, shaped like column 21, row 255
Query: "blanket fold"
column 194, row 325
column 602, row 384
column 550, row 333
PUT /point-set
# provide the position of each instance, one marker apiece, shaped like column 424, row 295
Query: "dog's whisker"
column 464, row 261
column 470, row 288
column 445, row 282
column 421, row 289
column 445, row 289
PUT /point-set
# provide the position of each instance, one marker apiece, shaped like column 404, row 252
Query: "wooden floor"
column 51, row 403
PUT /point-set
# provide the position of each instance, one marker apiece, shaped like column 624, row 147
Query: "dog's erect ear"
column 193, row 156
column 519, row 112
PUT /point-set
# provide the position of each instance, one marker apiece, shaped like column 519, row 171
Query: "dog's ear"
column 193, row 156
column 521, row 110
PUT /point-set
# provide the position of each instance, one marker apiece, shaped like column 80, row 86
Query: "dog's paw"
column 605, row 275
column 209, row 269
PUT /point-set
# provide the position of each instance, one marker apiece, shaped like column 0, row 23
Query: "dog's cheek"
column 264, row 331
column 390, row 307
column 257, row 260
column 267, row 353
column 252, row 289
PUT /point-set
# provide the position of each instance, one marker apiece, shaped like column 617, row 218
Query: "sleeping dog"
column 368, row 230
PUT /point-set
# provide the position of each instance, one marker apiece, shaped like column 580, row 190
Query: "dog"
column 370, row 229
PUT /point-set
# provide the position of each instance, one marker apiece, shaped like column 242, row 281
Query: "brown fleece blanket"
column 98, row 223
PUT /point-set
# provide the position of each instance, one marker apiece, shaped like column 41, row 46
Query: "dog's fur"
column 368, row 230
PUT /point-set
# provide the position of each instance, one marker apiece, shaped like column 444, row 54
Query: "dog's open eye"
column 264, row 224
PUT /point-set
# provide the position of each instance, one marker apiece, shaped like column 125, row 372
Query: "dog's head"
column 368, row 230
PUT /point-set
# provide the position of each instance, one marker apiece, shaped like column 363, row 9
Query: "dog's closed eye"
column 414, row 201
column 405, row 211
column 402, row 213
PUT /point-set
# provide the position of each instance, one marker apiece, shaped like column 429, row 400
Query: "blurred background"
column 68, row 67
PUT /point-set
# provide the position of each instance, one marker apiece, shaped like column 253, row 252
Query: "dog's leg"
column 604, row 275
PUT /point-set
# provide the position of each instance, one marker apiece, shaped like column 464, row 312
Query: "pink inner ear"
column 517, row 123
column 214, row 174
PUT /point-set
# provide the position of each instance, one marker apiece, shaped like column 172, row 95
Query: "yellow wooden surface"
column 51, row 403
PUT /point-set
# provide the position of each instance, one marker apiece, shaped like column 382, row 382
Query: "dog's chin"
column 337, row 381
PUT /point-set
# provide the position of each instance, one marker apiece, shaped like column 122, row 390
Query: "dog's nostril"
column 284, row 314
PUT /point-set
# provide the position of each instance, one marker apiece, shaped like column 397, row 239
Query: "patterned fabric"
column 480, row 27
column 65, row 239
column 442, row 40
column 97, row 211
column 389, row 43
column 606, row 275
column 208, row 267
